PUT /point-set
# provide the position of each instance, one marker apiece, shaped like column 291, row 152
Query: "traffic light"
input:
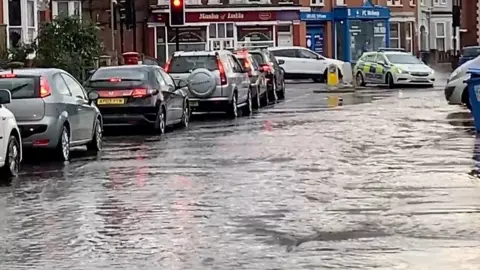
column 127, row 13
column 177, row 13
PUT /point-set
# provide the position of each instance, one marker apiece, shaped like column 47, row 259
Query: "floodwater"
column 388, row 183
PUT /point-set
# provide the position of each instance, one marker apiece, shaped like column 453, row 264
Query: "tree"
column 68, row 43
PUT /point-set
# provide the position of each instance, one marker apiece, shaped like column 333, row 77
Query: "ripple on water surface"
column 387, row 185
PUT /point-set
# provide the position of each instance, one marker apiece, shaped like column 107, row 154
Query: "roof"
column 32, row 71
column 285, row 48
column 200, row 53
column 125, row 67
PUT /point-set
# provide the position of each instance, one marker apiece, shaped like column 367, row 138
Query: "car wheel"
column 63, row 146
column 257, row 102
column 186, row 115
column 232, row 110
column 281, row 93
column 95, row 144
column 359, row 79
column 248, row 109
column 12, row 160
column 161, row 121
column 389, row 81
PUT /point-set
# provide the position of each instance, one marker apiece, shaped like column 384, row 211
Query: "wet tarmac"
column 387, row 180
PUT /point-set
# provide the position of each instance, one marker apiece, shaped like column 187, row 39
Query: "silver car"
column 53, row 110
column 216, row 81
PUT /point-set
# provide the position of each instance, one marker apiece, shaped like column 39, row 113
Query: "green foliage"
column 68, row 43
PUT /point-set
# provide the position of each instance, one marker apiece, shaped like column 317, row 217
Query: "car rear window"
column 118, row 77
column 471, row 52
column 186, row 64
column 20, row 87
column 259, row 58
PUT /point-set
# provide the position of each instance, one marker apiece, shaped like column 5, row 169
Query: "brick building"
column 402, row 23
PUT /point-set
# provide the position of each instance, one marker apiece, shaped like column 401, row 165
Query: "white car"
column 456, row 92
column 302, row 63
column 10, row 140
column 392, row 68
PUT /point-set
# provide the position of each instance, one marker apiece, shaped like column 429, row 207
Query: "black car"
column 139, row 95
column 273, row 72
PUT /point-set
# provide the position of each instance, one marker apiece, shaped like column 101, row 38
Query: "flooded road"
column 387, row 183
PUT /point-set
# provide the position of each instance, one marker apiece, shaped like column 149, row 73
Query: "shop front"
column 319, row 32
column 361, row 29
column 222, row 30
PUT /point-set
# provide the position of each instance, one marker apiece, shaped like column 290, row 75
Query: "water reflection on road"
column 386, row 184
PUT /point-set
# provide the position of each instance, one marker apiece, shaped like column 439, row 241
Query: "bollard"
column 473, row 85
column 332, row 76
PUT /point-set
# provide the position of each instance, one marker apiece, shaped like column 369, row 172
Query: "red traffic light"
column 177, row 3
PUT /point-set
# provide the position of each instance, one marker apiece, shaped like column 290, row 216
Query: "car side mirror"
column 281, row 62
column 5, row 96
column 182, row 84
column 93, row 96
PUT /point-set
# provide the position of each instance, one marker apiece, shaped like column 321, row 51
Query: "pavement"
column 385, row 179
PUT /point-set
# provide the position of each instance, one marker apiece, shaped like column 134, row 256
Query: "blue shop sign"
column 368, row 13
column 316, row 16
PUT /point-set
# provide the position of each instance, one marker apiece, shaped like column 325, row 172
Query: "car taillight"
column 115, row 80
column 167, row 65
column 266, row 68
column 221, row 69
column 139, row 93
column 45, row 89
column 9, row 75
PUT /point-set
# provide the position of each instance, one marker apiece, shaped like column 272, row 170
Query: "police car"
column 392, row 67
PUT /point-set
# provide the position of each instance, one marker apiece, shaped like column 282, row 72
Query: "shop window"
column 67, row 8
column 317, row 3
column 440, row 38
column 221, row 30
column 255, row 36
column 190, row 39
column 366, row 36
column 395, row 35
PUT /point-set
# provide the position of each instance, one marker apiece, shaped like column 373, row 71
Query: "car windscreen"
column 118, row 77
column 20, row 87
column 403, row 59
column 471, row 52
column 258, row 57
column 187, row 64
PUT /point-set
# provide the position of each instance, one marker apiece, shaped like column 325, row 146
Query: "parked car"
column 52, row 110
column 456, row 92
column 468, row 53
column 302, row 63
column 10, row 139
column 272, row 68
column 139, row 95
column 392, row 68
column 216, row 80
column 258, row 82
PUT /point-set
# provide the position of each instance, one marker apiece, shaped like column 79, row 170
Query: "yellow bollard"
column 332, row 76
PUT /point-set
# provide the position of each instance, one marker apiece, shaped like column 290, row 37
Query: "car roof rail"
column 384, row 49
column 14, row 65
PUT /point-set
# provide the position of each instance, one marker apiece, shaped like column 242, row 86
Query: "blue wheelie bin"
column 473, row 85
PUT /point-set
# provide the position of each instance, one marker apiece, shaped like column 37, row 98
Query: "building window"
column 255, row 36
column 395, row 35
column 22, row 21
column 394, row 3
column 408, row 37
column 67, row 8
column 412, row 3
column 340, row 2
column 439, row 2
column 284, row 37
column 317, row 3
column 422, row 2
column 440, row 37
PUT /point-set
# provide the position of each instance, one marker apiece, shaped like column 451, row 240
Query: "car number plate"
column 111, row 101
column 194, row 103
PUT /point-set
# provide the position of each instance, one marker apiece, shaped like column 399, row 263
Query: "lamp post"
column 456, row 7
